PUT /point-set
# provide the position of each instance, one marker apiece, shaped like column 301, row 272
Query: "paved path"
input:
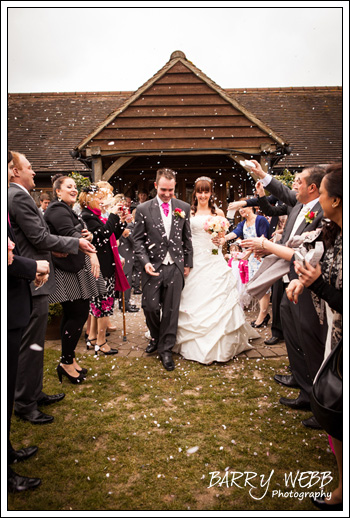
column 136, row 341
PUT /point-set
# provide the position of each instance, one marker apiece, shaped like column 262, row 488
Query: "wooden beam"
column 115, row 166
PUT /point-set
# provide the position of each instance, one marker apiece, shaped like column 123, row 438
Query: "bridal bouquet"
column 216, row 226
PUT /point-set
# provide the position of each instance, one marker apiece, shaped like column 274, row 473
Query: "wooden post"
column 124, row 323
column 97, row 169
column 264, row 164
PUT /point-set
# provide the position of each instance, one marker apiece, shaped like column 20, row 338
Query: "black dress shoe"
column 300, row 403
column 312, row 423
column 23, row 454
column 287, row 381
column 274, row 340
column 49, row 400
column 167, row 361
column 132, row 309
column 17, row 483
column 321, row 503
column 35, row 417
column 152, row 346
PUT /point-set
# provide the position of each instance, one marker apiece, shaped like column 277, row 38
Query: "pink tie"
column 165, row 207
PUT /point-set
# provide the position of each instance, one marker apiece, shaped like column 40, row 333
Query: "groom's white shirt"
column 167, row 220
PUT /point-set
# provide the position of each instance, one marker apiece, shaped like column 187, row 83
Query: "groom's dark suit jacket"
column 151, row 243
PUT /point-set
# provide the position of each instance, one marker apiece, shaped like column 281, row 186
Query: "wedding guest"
column 163, row 246
column 129, row 203
column 44, row 201
column 105, row 233
column 271, row 206
column 35, row 242
column 239, row 266
column 20, row 271
column 108, row 191
column 304, row 334
column 108, row 200
column 252, row 226
column 142, row 196
column 326, row 282
column 126, row 250
column 76, row 276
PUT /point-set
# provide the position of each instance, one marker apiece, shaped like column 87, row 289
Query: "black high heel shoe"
column 107, row 353
column 61, row 372
column 89, row 344
column 263, row 323
column 82, row 371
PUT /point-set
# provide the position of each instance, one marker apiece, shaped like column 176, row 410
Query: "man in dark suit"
column 20, row 271
column 35, row 241
column 305, row 336
column 163, row 245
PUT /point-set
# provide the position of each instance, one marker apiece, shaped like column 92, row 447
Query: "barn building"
column 179, row 119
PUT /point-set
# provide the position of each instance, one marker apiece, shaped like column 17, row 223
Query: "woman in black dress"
column 105, row 233
column 77, row 277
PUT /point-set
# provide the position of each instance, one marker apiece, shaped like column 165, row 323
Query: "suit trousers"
column 30, row 363
column 160, row 302
column 277, row 294
column 14, row 337
column 305, row 339
column 136, row 274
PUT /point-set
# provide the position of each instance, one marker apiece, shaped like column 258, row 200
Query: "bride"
column 211, row 325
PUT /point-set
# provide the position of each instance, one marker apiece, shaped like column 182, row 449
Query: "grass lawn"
column 136, row 437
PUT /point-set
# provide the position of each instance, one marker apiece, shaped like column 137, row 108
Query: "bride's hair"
column 203, row 184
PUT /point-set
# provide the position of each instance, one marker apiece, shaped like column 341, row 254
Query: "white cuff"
column 266, row 180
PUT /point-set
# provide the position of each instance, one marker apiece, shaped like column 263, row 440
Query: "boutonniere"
column 178, row 213
column 310, row 216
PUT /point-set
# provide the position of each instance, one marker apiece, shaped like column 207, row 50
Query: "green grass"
column 119, row 441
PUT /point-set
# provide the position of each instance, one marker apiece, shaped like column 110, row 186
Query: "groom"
column 163, row 245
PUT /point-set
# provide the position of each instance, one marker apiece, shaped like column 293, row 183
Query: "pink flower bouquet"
column 216, row 226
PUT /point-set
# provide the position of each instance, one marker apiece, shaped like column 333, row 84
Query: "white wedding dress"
column 211, row 325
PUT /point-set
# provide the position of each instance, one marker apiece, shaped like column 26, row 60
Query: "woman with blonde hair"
column 105, row 232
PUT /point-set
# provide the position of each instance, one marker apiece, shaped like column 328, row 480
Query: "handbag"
column 326, row 397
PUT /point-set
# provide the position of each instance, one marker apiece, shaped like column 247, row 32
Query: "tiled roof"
column 46, row 127
column 310, row 119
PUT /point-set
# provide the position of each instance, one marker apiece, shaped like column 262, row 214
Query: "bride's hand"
column 218, row 241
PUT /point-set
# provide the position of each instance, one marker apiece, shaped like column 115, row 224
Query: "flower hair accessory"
column 310, row 216
column 178, row 213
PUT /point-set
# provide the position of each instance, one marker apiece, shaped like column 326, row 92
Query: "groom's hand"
column 187, row 270
column 150, row 270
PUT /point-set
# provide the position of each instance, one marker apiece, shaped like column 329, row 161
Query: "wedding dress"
column 211, row 325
